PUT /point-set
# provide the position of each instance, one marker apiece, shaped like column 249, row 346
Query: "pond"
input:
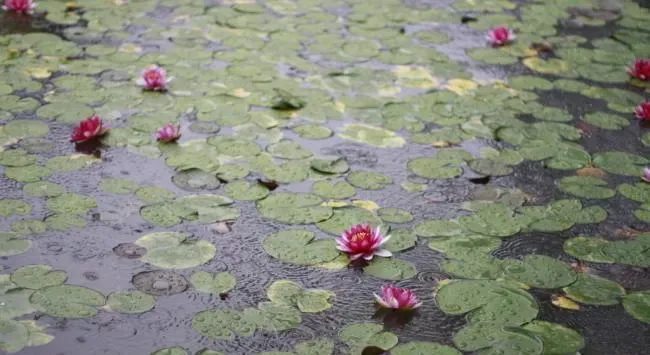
column 507, row 171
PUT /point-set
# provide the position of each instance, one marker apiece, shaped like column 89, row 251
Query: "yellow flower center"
column 361, row 236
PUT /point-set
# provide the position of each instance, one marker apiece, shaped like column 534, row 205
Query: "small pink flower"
column 501, row 35
column 169, row 133
column 642, row 111
column 640, row 69
column 88, row 129
column 361, row 241
column 19, row 6
column 154, row 78
column 646, row 175
column 397, row 298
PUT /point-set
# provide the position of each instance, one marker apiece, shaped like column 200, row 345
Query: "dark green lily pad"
column 390, row 269
column 592, row 289
column 369, row 180
column 37, row 276
column 130, row 302
column 68, row 301
column 400, row 239
column 495, row 220
column 639, row 192
column 170, row 250
column 631, row 252
column 556, row 338
column 298, row 246
column 637, row 304
column 294, row 208
column 217, row 283
column 586, row 186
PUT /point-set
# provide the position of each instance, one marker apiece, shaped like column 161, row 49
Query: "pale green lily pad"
column 394, row 215
column 637, row 304
column 435, row 168
column 245, row 191
column 195, row 179
column 630, row 252
column 274, row 317
column 43, row 189
column 170, row 250
column 339, row 190
column 287, row 149
column 29, row 226
column 606, row 121
column 294, row 208
column 361, row 335
column 423, row 348
column 400, row 239
column 25, row 129
column 621, row 163
column 369, row 180
column 69, row 112
column 153, row 194
column 170, row 351
column 494, row 220
column 130, row 302
column 492, row 340
column 16, row 158
column 473, row 249
column 371, row 135
column 314, row 300
column 539, row 271
column 390, row 269
column 586, row 186
column 16, row 335
column 209, row 352
column 315, row 347
column 14, row 207
column 62, row 222
column 346, row 217
column 162, row 214
column 592, row 289
column 38, row 276
column 298, row 246
column 15, row 301
column 31, row 173
column 556, row 338
column 490, row 167
column 68, row 301
column 70, row 163
column 438, row 228
column 118, row 186
column 218, row 324
column 70, row 203
column 529, row 82
column 491, row 56
column 216, row 283
column 330, row 166
column 284, row 292
column 312, row 131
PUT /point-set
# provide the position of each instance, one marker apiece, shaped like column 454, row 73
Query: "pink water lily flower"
column 361, row 241
column 640, row 69
column 168, row 133
column 19, row 6
column 500, row 35
column 88, row 129
column 642, row 111
column 154, row 78
column 646, row 175
column 397, row 298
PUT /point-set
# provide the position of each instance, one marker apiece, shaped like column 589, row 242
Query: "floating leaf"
column 37, row 276
column 423, row 348
column 170, row 250
column 14, row 207
column 330, row 166
column 315, row 347
column 556, row 338
column 394, row 215
column 490, row 167
column 345, row 217
column 12, row 244
column 16, row 335
column 438, row 228
column 620, row 163
column 390, row 269
column 25, row 129
column 637, row 304
column 70, row 163
column 287, row 149
column 245, row 191
column 371, row 135
column 540, row 271
column 195, row 179
column 592, row 289
column 606, row 121
column 294, row 208
column 369, row 180
column 31, row 173
column 68, row 301
column 43, row 189
column 170, row 351
column 564, row 303
column 299, row 247
column 338, row 190
column 153, row 194
column 361, row 335
column 217, row 283
column 586, row 187
column 131, row 302
column 70, row 203
column 313, row 131
column 118, row 186
column 435, row 168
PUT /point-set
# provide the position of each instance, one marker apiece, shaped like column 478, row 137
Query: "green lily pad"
column 68, row 301
column 556, row 338
column 298, row 246
column 31, row 173
column 287, row 149
column 369, row 180
column 390, row 269
column 14, row 207
column 153, row 194
column 629, row 252
column 345, row 217
column 435, row 168
column 70, row 203
column 245, row 191
column 492, row 340
column 16, row 158
column 361, row 335
column 209, row 352
column 312, row 131
column 621, row 163
column 495, row 220
column 170, row 351
column 16, row 335
column 284, row 292
column 490, row 167
column 394, row 215
column 43, row 189
column 130, row 302
column 161, row 214
column 37, row 276
column 170, row 250
column 586, row 186
column 400, row 239
column 639, row 192
column 315, row 347
column 275, row 317
column 637, row 304
column 540, row 271
column 491, row 56
column 15, row 301
column 371, row 135
column 330, row 166
column 339, row 190
column 606, row 121
column 234, row 147
column 592, row 289
column 25, row 129
column 29, row 226
column 195, row 179
column 423, row 348
column 62, row 222
column 438, row 228
column 467, row 248
column 219, row 324
column 217, row 283
column 529, row 82
column 69, row 112
column 70, row 163
column 118, row 186
column 294, row 208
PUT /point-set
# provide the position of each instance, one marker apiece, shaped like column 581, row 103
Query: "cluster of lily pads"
column 288, row 81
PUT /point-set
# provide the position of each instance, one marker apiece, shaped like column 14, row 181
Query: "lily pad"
column 118, row 186
column 217, row 283
column 490, row 167
column 330, row 166
column 369, row 180
column 311, row 131
column 637, row 304
column 16, row 335
column 586, row 186
column 423, row 348
column 25, row 129
column 70, row 163
column 298, row 246
column 391, row 269
column 31, row 173
column 394, row 215
column 592, row 289
column 16, row 158
column 14, row 207
column 170, row 351
column 556, row 338
column 540, row 271
column 245, row 191
column 68, row 301
column 345, row 217
column 294, row 208
column 195, row 180
column 621, row 163
column 70, row 203
column 339, row 190
column 153, row 194
column 435, row 168
column 606, row 121
column 43, row 189
column 361, row 335
column 38, row 276
column 170, row 250
column 400, row 239
column 131, row 302
column 438, row 228
column 371, row 135
column 287, row 149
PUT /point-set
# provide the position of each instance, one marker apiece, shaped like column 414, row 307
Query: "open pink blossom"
column 646, row 175
column 154, row 78
column 168, row 133
column 88, row 129
column 19, row 6
column 640, row 69
column 361, row 241
column 501, row 35
column 397, row 298
column 642, row 111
